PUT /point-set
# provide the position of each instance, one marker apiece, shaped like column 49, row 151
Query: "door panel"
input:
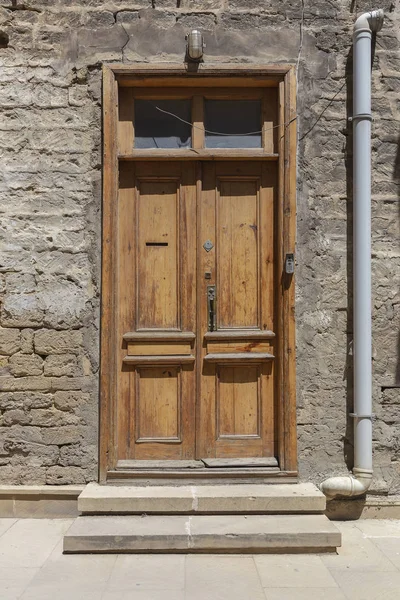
column 158, row 398
column 237, row 400
column 158, row 280
column 236, row 235
column 157, row 311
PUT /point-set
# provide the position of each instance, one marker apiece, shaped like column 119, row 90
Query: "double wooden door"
column 195, row 310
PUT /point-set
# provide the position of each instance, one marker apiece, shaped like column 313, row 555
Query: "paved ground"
column 32, row 567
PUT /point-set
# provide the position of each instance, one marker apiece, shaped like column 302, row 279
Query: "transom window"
column 199, row 119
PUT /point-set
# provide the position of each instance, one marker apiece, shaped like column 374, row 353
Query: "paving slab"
column 213, row 499
column 227, row 577
column 14, row 581
column 390, row 547
column 147, row 572
column 357, row 552
column 145, row 595
column 29, row 542
column 202, row 533
column 293, row 571
column 5, row 524
column 366, row 585
column 379, row 528
column 304, row 593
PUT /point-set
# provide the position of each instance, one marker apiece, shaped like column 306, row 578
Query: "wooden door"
column 157, row 311
column 236, row 345
column 196, row 376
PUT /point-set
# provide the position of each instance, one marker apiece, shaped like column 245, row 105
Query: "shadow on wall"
column 396, row 179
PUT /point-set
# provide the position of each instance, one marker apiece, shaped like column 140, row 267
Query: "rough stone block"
column 84, row 456
column 22, row 365
column 10, row 341
column 197, row 20
column 204, row 5
column 15, row 417
column 391, row 396
column 20, row 475
column 27, row 341
column 58, row 475
column 25, row 400
column 20, row 282
column 78, row 95
column 97, row 19
column 22, row 310
column 19, row 384
column 61, row 364
column 44, row 417
column 49, row 96
column 69, row 400
column 58, row 342
column 127, row 17
column 69, row 434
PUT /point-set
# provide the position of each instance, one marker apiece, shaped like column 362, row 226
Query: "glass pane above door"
column 163, row 124
column 232, row 123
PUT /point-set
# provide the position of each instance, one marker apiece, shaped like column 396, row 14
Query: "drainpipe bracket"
column 361, row 116
column 357, row 416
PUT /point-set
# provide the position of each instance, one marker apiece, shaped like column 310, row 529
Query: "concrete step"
column 202, row 499
column 202, row 533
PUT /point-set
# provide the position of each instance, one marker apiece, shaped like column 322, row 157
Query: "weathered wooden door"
column 196, row 310
column 236, row 329
column 157, row 311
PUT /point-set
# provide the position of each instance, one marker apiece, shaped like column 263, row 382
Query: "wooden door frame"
column 117, row 77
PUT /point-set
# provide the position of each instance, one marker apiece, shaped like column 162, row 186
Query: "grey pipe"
column 359, row 482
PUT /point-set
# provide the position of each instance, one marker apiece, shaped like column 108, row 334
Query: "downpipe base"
column 348, row 486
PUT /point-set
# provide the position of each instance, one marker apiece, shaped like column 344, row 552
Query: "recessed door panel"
column 237, row 253
column 158, row 404
column 158, row 280
column 238, row 401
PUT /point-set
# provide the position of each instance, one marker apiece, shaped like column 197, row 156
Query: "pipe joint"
column 370, row 21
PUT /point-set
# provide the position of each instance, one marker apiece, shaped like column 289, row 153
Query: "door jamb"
column 282, row 76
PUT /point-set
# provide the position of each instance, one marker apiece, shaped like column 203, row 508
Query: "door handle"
column 211, row 307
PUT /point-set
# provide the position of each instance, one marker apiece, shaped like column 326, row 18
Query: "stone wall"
column 51, row 53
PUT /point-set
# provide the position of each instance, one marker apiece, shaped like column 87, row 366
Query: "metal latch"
column 211, row 300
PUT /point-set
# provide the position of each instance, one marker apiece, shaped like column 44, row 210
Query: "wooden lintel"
column 203, row 154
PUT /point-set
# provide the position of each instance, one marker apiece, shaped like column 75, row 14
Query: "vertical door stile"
column 198, row 297
column 207, row 276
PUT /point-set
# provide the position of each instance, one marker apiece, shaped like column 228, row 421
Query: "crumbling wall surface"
column 51, row 53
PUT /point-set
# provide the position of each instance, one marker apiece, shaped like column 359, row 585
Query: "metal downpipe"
column 359, row 482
